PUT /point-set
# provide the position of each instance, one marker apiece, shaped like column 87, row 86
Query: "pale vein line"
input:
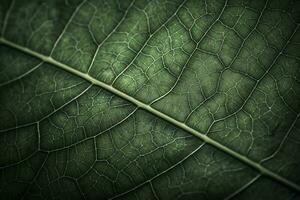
column 190, row 56
column 109, row 35
column 66, row 26
column 6, row 18
column 35, row 177
column 21, row 76
column 244, row 187
column 260, row 79
column 159, row 174
column 282, row 141
column 49, row 114
column 96, row 135
column 233, row 60
column 205, row 138
column 146, row 43
column 38, row 130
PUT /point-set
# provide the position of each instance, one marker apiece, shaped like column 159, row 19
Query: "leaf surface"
column 149, row 99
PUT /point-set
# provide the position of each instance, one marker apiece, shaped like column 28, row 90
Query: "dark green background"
column 149, row 99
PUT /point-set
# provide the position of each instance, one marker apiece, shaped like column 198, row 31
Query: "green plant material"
column 149, row 99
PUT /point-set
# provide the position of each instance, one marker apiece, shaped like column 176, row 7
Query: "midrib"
column 205, row 138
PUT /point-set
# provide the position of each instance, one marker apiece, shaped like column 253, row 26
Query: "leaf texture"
column 149, row 99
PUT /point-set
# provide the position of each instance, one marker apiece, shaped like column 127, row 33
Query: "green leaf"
column 149, row 99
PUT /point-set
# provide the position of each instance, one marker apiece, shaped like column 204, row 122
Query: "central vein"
column 262, row 170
